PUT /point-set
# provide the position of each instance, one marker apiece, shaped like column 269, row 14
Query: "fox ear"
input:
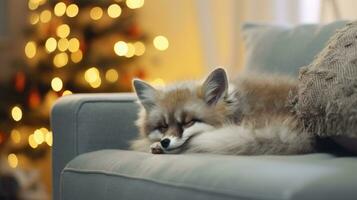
column 145, row 92
column 215, row 86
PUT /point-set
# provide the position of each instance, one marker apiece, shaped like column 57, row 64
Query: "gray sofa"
column 91, row 161
column 91, row 158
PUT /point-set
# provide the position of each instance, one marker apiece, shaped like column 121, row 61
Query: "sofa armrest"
column 87, row 122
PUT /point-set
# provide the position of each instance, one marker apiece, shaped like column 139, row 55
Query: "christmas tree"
column 72, row 47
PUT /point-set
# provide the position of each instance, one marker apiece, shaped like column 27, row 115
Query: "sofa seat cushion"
column 119, row 174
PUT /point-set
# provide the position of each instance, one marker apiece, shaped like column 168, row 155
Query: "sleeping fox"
column 248, row 116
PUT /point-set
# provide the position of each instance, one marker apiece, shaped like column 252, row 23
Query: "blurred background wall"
column 203, row 34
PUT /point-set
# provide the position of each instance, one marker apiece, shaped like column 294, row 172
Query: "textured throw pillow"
column 279, row 49
column 326, row 102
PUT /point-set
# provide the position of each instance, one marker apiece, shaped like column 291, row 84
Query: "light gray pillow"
column 283, row 49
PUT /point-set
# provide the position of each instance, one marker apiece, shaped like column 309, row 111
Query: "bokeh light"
column 139, row 48
column 72, row 10
column 60, row 60
column 161, row 43
column 77, row 56
column 56, row 84
column 63, row 30
column 114, row 11
column 96, row 13
column 51, row 44
column 92, row 76
column 45, row 16
column 49, row 138
column 134, row 4
column 67, row 92
column 12, row 160
column 30, row 49
column 73, row 45
column 16, row 113
column 15, row 136
column 121, row 48
column 38, row 136
column 63, row 44
column 32, row 142
column 112, row 75
column 131, row 50
column 33, row 4
column 60, row 9
column 34, row 18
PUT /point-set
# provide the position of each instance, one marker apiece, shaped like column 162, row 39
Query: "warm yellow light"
column 63, row 30
column 33, row 5
column 12, row 160
column 45, row 16
column 63, row 44
column 60, row 9
column 67, row 92
column 49, row 138
column 73, row 45
column 51, row 44
column 96, row 83
column 72, row 10
column 161, row 43
column 158, row 82
column 34, row 18
column 91, row 75
column 41, row 2
column 96, row 13
column 44, row 130
column 111, row 75
column 56, row 84
column 32, row 142
column 30, row 49
column 60, row 60
column 131, row 50
column 15, row 136
column 134, row 4
column 77, row 56
column 38, row 136
column 121, row 48
column 114, row 11
column 139, row 48
column 16, row 113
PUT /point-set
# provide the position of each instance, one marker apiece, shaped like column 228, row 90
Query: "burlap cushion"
column 326, row 102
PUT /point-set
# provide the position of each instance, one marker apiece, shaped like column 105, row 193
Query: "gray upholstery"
column 91, row 123
column 85, row 122
column 118, row 174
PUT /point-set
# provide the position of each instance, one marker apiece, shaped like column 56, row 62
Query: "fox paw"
column 155, row 148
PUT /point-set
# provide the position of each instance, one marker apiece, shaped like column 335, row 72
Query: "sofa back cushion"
column 283, row 49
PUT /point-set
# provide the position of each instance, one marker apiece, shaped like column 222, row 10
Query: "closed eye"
column 162, row 128
column 190, row 123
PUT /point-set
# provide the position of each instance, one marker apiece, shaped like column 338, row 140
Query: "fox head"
column 174, row 114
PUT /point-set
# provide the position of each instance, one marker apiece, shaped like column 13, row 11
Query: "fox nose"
column 165, row 142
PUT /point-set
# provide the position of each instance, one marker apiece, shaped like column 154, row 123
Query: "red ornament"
column 2, row 138
column 140, row 73
column 82, row 46
column 134, row 31
column 20, row 81
column 34, row 99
